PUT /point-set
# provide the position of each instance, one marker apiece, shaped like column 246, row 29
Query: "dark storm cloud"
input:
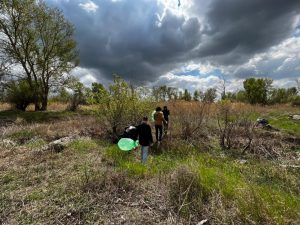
column 126, row 36
column 236, row 29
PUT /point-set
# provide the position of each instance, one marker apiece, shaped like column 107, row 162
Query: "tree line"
column 256, row 91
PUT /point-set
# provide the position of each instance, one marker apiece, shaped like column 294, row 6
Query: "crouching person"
column 145, row 138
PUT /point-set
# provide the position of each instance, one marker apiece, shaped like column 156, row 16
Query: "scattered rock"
column 7, row 143
column 242, row 161
column 60, row 144
column 294, row 117
column 5, row 122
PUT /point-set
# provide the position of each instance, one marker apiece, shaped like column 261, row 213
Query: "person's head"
column 165, row 107
column 158, row 109
column 145, row 119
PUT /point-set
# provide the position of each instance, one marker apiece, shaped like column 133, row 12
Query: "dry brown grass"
column 77, row 186
column 4, row 106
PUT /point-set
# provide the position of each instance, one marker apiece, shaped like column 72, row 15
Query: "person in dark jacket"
column 166, row 113
column 145, row 138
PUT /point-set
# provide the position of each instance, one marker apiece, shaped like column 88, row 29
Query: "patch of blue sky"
column 196, row 72
column 297, row 33
column 189, row 73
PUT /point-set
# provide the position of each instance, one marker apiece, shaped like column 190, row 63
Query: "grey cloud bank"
column 142, row 40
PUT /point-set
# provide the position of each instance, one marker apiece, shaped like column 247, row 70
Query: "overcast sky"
column 188, row 43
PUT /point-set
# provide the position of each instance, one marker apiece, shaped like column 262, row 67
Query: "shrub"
column 121, row 106
column 296, row 101
column 189, row 120
column 226, row 124
column 79, row 95
column 22, row 136
column 19, row 94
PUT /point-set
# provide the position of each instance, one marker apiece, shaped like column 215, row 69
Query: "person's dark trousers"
column 158, row 132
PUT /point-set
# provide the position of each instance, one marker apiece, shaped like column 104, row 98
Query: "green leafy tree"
column 186, row 95
column 40, row 40
column 161, row 93
column 196, row 96
column 241, row 96
column 97, row 93
column 63, row 95
column 282, row 95
column 172, row 93
column 231, row 96
column 79, row 94
column 210, row 95
column 257, row 90
column 121, row 106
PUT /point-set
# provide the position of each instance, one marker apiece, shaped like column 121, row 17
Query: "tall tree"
column 222, row 87
column 187, row 95
column 210, row 95
column 282, row 95
column 172, row 93
column 196, row 96
column 38, row 38
column 98, row 91
column 257, row 90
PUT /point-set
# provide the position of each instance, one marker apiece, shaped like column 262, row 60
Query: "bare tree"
column 39, row 39
column 226, row 126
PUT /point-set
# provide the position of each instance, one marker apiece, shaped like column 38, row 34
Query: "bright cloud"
column 89, row 6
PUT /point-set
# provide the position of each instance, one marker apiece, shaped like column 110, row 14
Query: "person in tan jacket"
column 159, row 120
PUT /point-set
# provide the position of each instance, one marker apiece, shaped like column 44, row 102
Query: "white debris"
column 202, row 222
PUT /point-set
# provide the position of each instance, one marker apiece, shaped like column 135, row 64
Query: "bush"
column 79, row 95
column 19, row 94
column 296, row 101
column 121, row 106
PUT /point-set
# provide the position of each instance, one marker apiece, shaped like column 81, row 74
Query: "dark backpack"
column 130, row 132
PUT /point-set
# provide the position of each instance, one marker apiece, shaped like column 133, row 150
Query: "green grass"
column 23, row 135
column 35, row 143
column 262, row 191
column 130, row 162
column 83, row 145
column 282, row 122
column 279, row 120
column 267, row 199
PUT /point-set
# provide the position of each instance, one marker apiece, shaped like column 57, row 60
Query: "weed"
column 83, row 145
column 186, row 193
column 23, row 136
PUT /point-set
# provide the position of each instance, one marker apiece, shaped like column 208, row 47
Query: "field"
column 188, row 179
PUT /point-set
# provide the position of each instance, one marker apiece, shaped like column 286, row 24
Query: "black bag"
column 130, row 132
